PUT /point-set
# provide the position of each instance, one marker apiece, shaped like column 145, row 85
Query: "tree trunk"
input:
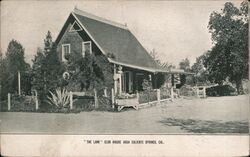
column 239, row 86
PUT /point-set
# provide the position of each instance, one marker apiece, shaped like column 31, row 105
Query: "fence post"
column 204, row 92
column 105, row 92
column 197, row 92
column 9, row 103
column 158, row 95
column 172, row 93
column 112, row 98
column 70, row 100
column 96, row 99
column 36, row 100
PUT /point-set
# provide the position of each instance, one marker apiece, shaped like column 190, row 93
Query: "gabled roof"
column 116, row 39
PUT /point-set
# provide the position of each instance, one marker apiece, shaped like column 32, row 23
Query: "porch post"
column 112, row 98
column 120, row 78
column 172, row 80
column 172, row 93
column 120, row 84
column 115, row 80
column 154, row 80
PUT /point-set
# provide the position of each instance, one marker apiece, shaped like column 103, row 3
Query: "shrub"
column 19, row 104
column 223, row 90
column 187, row 91
column 165, row 93
column 143, row 97
column 3, row 105
column 60, row 99
column 147, row 96
column 83, row 103
column 105, row 104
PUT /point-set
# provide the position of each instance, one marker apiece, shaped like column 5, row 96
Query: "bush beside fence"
column 83, row 101
column 223, row 90
column 19, row 104
column 188, row 91
column 165, row 93
column 147, row 96
column 155, row 95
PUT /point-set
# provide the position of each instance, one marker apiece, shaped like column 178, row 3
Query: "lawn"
column 210, row 115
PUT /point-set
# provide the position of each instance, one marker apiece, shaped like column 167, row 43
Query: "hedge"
column 223, row 90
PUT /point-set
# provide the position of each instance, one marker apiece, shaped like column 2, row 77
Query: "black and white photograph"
column 124, row 68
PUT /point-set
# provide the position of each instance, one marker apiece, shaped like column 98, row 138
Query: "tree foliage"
column 47, row 69
column 229, row 56
column 164, row 65
column 185, row 65
column 10, row 65
column 89, row 71
column 198, row 68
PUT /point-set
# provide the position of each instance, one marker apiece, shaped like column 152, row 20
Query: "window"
column 86, row 48
column 65, row 51
column 75, row 27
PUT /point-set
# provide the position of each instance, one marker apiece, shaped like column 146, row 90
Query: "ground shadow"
column 203, row 126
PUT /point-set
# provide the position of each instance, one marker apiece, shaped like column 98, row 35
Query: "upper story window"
column 65, row 51
column 75, row 27
column 86, row 47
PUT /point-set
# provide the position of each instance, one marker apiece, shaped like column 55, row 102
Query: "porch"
column 145, row 98
column 134, row 87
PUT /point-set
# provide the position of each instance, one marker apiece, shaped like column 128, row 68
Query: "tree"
column 12, row 64
column 47, row 69
column 89, row 72
column 228, row 57
column 155, row 56
column 185, row 64
column 3, row 77
column 201, row 74
column 48, row 43
column 164, row 65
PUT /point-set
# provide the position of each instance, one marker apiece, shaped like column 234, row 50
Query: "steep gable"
column 115, row 40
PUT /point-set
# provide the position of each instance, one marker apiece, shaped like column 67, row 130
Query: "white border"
column 76, row 145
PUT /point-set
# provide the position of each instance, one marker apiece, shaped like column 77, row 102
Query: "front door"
column 127, row 82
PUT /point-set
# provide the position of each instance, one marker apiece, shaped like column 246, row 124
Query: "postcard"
column 124, row 78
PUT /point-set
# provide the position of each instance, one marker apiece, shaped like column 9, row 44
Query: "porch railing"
column 155, row 96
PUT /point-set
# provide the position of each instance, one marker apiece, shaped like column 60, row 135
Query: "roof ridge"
column 98, row 18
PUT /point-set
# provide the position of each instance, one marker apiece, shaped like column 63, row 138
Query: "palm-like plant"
column 60, row 99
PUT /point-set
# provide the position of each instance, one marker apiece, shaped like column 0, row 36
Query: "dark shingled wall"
column 75, row 40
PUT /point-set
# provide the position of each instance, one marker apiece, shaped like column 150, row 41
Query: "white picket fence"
column 34, row 97
column 71, row 94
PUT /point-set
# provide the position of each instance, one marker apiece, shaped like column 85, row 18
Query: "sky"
column 175, row 29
